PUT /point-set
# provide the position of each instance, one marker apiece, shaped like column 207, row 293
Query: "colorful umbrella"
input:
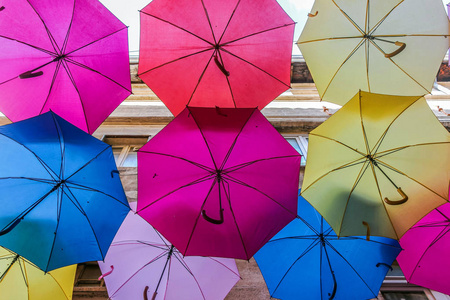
column 425, row 259
column 68, row 56
column 379, row 170
column 227, row 53
column 21, row 280
column 218, row 182
column 307, row 259
column 387, row 47
column 61, row 196
column 141, row 262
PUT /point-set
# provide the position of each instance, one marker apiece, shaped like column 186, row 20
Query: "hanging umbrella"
column 141, row 264
column 68, row 56
column 425, row 259
column 376, row 170
column 61, row 196
column 307, row 258
column 218, row 182
column 387, row 47
column 227, row 53
column 21, row 280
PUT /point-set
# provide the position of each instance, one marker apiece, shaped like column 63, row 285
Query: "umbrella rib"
column 401, row 69
column 366, row 141
column 95, row 41
column 191, row 273
column 174, row 25
column 229, row 20
column 393, row 150
column 200, row 79
column 259, row 32
column 228, row 81
column 306, row 251
column 87, row 188
column 59, row 206
column 255, row 66
column 255, row 189
column 24, row 273
column 227, row 156
column 209, row 21
column 308, row 225
column 55, row 75
column 51, row 38
column 62, row 289
column 225, row 266
column 243, row 165
column 199, row 213
column 88, row 162
column 49, row 181
column 338, row 142
column 63, row 50
column 139, row 270
column 300, row 237
column 349, row 19
column 30, row 45
column 176, row 59
column 97, row 72
column 62, row 146
column 375, row 27
column 203, row 167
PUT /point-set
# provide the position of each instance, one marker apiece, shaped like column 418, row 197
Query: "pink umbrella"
column 218, row 182
column 229, row 53
column 68, row 56
column 425, row 259
column 141, row 264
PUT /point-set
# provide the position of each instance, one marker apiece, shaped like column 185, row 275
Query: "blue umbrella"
column 306, row 259
column 60, row 193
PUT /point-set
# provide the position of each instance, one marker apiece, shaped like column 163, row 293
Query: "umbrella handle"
column 10, row 227
column 2, row 8
column 403, row 200
column 368, row 230
column 145, row 293
column 115, row 171
column 211, row 220
column 107, row 273
column 402, row 47
column 390, row 267
column 220, row 66
column 313, row 15
column 30, row 74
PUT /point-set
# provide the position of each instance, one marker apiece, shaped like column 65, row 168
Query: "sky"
column 128, row 12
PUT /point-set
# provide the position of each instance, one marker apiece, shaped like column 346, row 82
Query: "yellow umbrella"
column 378, row 165
column 19, row 279
column 390, row 47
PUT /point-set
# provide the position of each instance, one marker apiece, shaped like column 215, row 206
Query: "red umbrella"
column 68, row 56
column 227, row 53
column 218, row 183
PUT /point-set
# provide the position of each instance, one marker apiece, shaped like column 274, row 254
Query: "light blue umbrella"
column 307, row 260
column 60, row 193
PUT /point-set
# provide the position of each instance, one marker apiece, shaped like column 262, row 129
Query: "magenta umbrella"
column 68, row 56
column 141, row 264
column 425, row 260
column 229, row 53
column 218, row 182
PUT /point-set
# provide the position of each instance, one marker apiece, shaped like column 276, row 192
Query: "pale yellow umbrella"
column 21, row 280
column 390, row 47
column 377, row 171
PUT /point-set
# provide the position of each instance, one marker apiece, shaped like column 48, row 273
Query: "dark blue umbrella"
column 60, row 193
column 307, row 260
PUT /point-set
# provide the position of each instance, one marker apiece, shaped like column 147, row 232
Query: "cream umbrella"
column 387, row 47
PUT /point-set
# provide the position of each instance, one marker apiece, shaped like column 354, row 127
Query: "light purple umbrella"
column 141, row 264
column 68, row 56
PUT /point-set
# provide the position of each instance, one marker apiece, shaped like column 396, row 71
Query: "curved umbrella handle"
column 220, row 66
column 211, row 220
column 368, row 230
column 145, row 293
column 107, row 273
column 30, row 74
column 117, row 172
column 403, row 200
column 334, row 288
column 379, row 264
column 10, row 227
column 2, row 8
column 313, row 15
column 399, row 44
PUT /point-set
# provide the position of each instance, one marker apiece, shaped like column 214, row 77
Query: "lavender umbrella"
column 141, row 263
column 68, row 56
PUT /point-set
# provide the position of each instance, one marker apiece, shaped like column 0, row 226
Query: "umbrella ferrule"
column 59, row 57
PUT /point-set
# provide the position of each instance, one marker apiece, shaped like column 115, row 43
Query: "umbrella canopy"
column 218, row 182
column 425, row 259
column 386, row 47
column 227, row 53
column 378, row 165
column 307, row 259
column 21, row 280
column 144, row 263
column 68, row 56
column 61, row 196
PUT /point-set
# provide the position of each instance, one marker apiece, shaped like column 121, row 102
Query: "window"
column 125, row 148
column 300, row 143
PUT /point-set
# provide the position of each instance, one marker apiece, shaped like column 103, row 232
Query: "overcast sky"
column 128, row 12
